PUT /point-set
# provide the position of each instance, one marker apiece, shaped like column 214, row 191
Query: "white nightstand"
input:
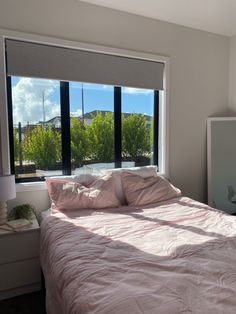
column 19, row 261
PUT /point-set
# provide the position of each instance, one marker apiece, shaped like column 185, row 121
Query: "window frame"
column 163, row 152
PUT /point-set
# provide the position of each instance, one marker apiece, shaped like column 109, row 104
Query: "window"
column 138, row 126
column 92, row 127
column 36, row 128
column 68, row 125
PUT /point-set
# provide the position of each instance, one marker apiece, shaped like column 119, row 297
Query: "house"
column 55, row 122
column 197, row 42
column 88, row 116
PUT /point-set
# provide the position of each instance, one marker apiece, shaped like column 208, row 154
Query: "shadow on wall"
column 223, row 113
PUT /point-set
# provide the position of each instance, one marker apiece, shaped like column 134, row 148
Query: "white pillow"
column 84, row 179
column 144, row 172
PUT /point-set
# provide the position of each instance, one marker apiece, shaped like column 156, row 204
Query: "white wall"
column 198, row 68
column 232, row 76
column 39, row 199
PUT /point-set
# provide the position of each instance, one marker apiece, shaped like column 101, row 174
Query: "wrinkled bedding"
column 177, row 256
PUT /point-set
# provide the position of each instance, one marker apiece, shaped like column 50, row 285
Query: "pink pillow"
column 142, row 191
column 70, row 195
column 145, row 171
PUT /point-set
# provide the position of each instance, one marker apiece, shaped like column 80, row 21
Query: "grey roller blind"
column 43, row 61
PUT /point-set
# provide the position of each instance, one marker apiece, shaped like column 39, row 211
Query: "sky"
column 30, row 96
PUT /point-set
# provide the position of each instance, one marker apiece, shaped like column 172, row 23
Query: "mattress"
column 177, row 256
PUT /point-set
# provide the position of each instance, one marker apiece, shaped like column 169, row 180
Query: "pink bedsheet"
column 175, row 257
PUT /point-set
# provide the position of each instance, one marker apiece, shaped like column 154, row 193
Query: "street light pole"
column 43, row 99
column 82, row 102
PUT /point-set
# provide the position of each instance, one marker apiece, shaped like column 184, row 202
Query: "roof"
column 91, row 114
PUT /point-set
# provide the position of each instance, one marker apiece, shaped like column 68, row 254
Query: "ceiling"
column 216, row 16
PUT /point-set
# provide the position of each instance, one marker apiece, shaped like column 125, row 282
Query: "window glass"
column 36, row 127
column 137, row 126
column 92, row 127
column 36, row 113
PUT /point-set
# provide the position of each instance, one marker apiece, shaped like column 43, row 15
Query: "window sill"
column 31, row 186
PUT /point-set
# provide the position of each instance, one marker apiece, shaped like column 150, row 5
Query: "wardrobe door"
column 221, row 161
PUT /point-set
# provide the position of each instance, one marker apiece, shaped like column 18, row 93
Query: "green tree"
column 79, row 142
column 135, row 136
column 42, row 147
column 101, row 137
column 16, row 145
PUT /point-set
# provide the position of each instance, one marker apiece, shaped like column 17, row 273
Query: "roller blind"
column 43, row 61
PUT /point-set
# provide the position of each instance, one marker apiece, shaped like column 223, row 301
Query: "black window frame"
column 65, row 129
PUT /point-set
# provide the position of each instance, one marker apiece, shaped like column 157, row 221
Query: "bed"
column 172, row 256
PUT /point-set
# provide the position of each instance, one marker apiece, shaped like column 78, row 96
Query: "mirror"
column 221, row 163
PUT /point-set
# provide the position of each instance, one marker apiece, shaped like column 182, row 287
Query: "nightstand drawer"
column 19, row 274
column 18, row 246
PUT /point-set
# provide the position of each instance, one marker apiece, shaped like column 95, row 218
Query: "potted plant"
column 25, row 211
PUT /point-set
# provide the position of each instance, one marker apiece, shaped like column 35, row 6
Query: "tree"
column 135, row 136
column 101, row 137
column 42, row 147
column 79, row 142
column 16, row 145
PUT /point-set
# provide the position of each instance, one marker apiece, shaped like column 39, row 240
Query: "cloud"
column 28, row 95
column 91, row 86
column 96, row 86
column 107, row 86
column 76, row 113
column 132, row 90
column 127, row 90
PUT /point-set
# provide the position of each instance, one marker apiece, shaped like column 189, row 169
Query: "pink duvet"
column 175, row 257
